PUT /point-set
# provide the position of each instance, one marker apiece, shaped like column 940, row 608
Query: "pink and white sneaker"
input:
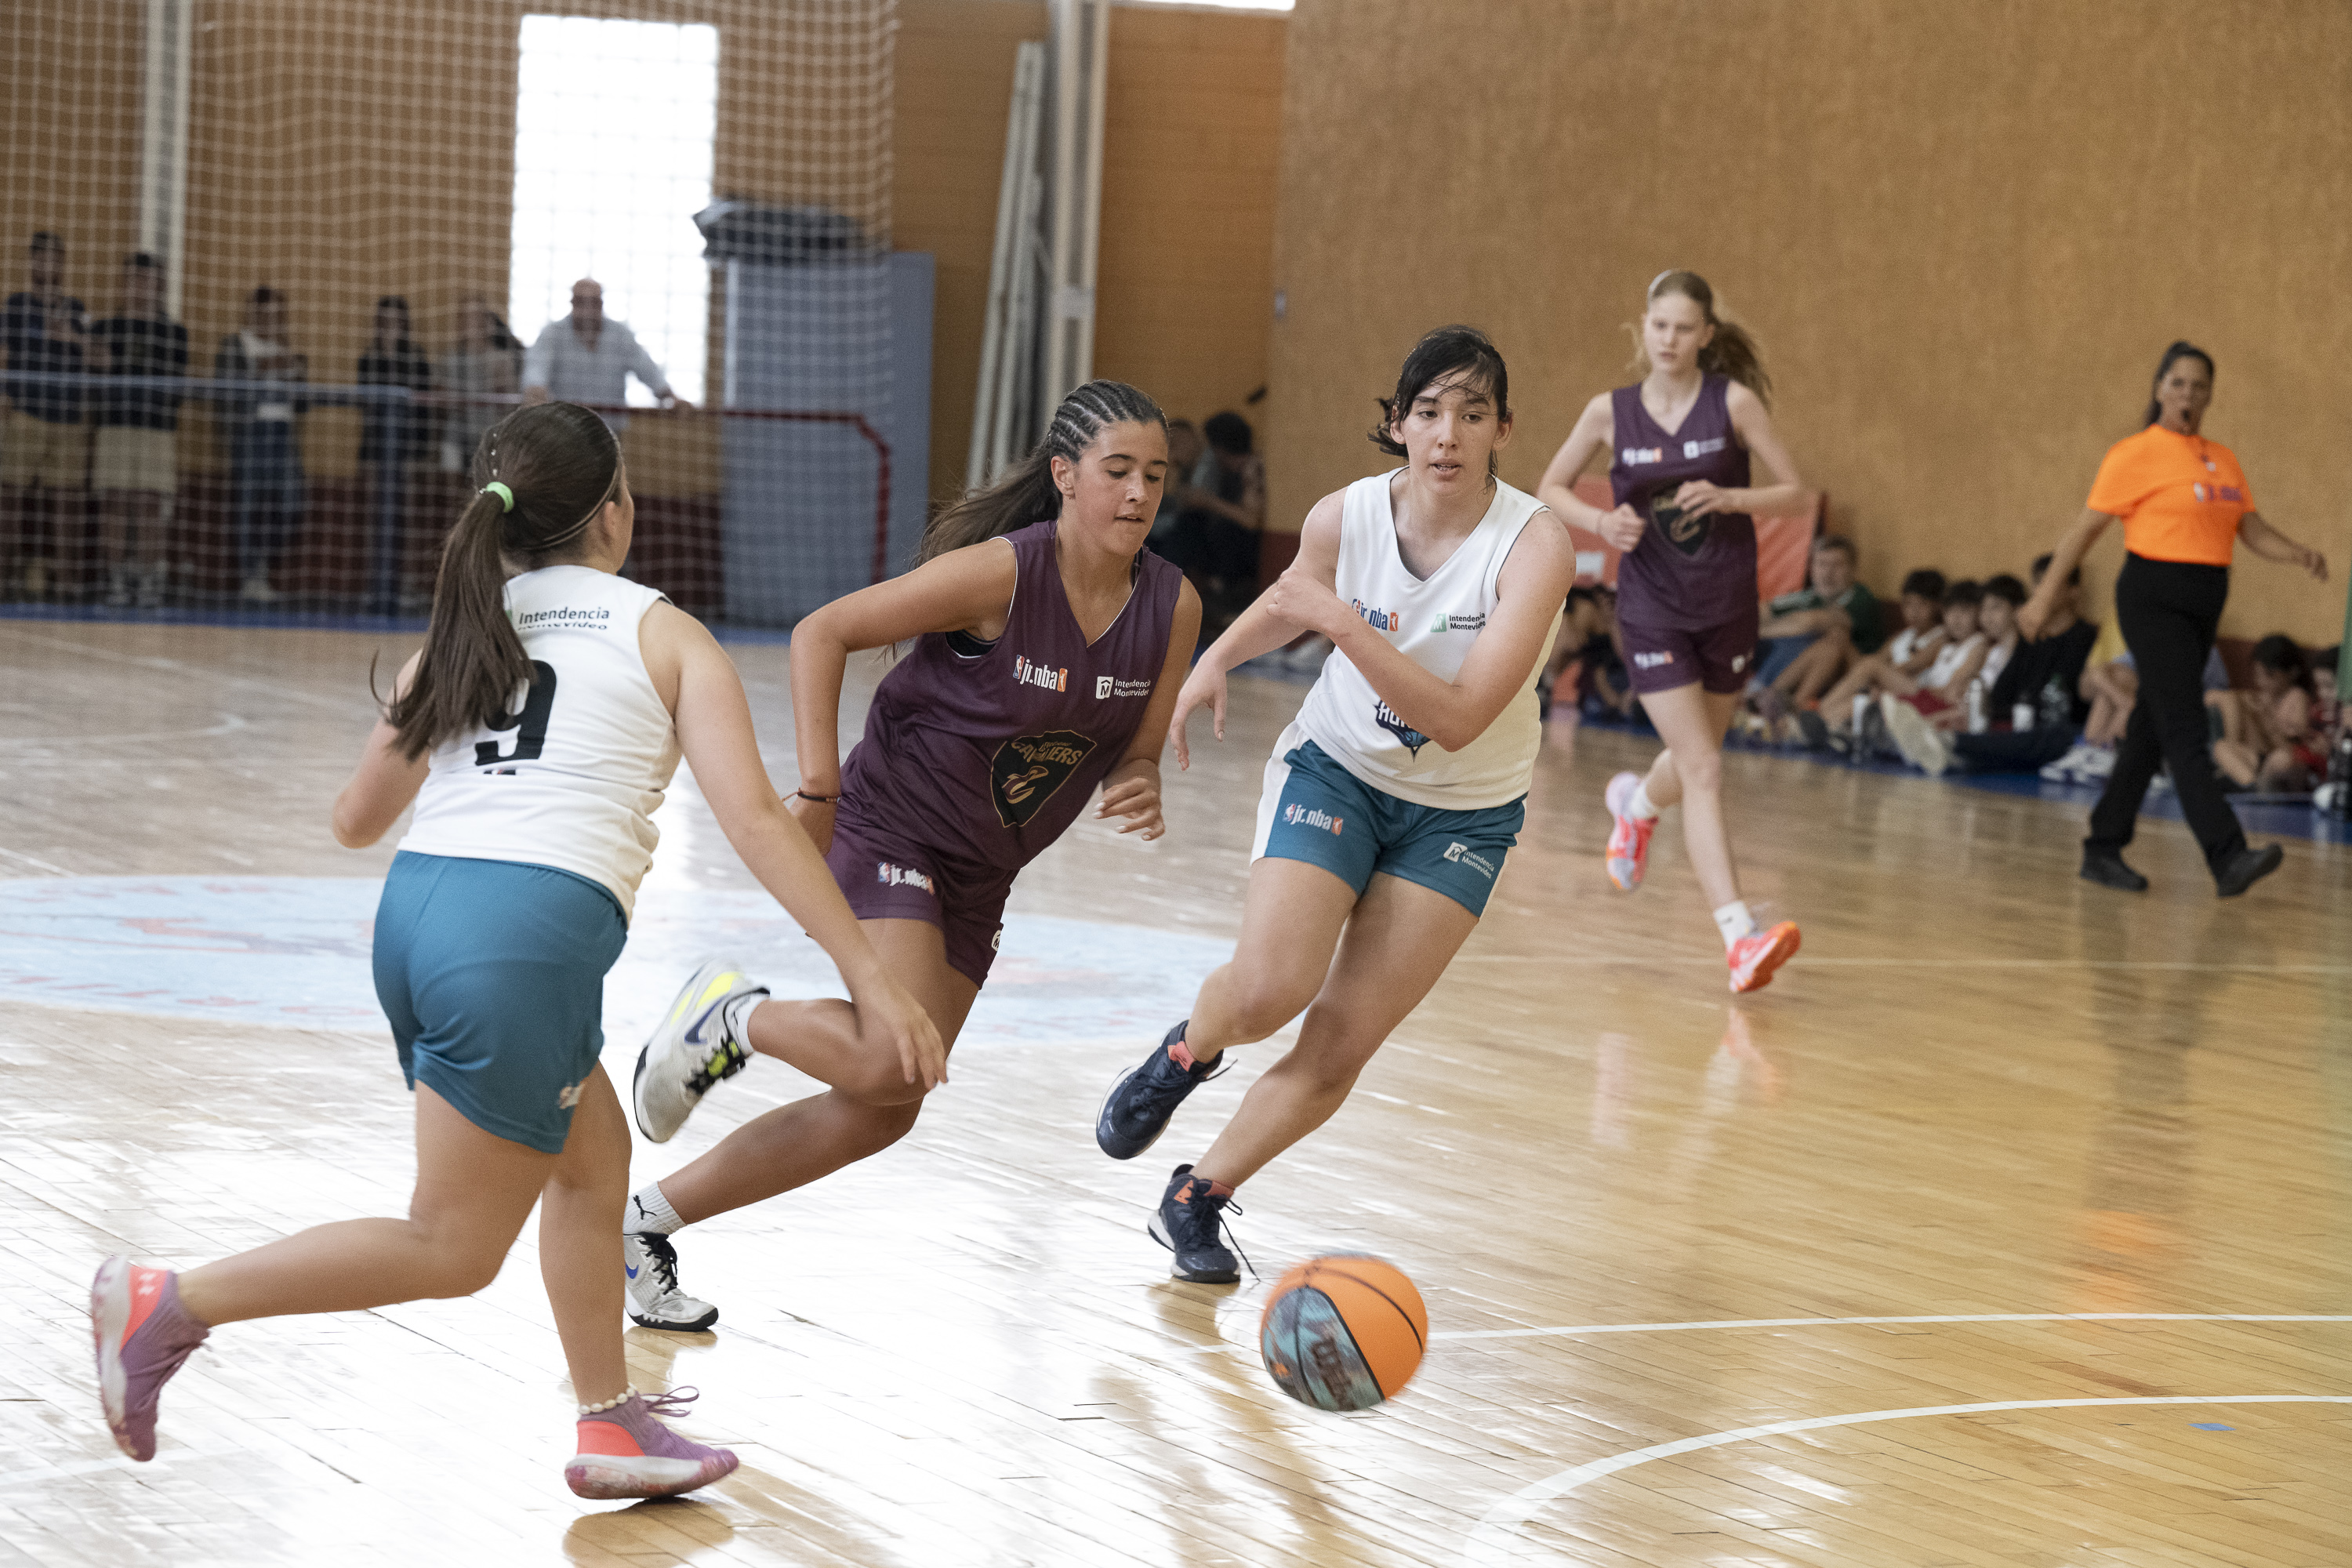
column 1629, row 839
column 1753, row 958
column 625, row 1452
column 142, row 1334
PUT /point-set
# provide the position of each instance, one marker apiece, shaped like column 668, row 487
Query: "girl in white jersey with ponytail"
column 1390, row 803
column 536, row 732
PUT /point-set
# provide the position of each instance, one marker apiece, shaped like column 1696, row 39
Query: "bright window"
column 615, row 123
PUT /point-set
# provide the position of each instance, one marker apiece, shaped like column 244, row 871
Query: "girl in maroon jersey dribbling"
column 1049, row 646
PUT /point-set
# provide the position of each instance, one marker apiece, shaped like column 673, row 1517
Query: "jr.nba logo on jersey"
column 1028, row 673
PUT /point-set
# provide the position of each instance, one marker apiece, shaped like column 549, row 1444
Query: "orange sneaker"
column 1753, row 958
column 1629, row 840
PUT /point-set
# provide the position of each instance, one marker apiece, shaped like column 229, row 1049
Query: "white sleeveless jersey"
column 1432, row 622
column 574, row 775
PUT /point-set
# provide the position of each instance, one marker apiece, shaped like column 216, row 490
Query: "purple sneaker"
column 625, row 1452
column 142, row 1334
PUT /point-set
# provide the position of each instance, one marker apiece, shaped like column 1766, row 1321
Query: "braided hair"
column 1026, row 493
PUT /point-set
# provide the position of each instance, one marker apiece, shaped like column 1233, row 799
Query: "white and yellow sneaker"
column 691, row 1050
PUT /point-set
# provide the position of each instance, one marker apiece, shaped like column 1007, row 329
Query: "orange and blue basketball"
column 1343, row 1332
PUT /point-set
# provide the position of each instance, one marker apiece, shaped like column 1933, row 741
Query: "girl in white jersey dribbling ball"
column 536, row 732
column 1392, row 801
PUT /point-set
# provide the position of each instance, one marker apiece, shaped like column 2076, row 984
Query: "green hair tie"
column 506, row 496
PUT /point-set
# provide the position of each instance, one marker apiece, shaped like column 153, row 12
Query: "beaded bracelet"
column 819, row 799
column 616, row 1401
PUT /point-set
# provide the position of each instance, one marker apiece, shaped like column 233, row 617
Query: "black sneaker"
column 1136, row 1111
column 1815, row 730
column 2108, row 870
column 1189, row 1223
column 2246, row 867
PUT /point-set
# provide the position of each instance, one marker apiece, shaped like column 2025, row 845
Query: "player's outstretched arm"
column 1131, row 790
column 1533, row 585
column 384, row 782
column 968, row 590
column 705, row 695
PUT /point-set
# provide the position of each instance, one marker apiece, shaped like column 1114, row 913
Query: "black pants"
column 2169, row 611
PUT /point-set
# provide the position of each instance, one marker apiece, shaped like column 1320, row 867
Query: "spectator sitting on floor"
column 1807, row 639
column 1590, row 651
column 2327, row 711
column 1908, row 656
column 2046, row 675
column 2111, row 686
column 1997, row 628
column 2269, row 737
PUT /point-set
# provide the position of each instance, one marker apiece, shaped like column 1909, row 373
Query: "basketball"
column 1343, row 1332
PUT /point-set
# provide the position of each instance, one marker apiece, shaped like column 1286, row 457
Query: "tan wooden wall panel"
column 1963, row 235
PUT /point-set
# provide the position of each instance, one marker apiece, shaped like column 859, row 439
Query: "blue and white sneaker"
column 655, row 1299
column 692, row 1049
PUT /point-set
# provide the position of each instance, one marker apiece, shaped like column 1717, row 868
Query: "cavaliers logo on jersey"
column 1025, row 772
column 1679, row 528
column 1386, row 717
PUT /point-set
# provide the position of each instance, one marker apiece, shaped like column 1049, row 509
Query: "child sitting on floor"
column 2270, row 740
column 2004, row 596
column 1907, row 654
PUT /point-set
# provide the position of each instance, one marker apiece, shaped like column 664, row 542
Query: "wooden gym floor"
column 2009, row 1227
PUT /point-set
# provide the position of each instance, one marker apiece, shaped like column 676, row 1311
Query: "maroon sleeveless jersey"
column 987, row 752
column 1687, row 573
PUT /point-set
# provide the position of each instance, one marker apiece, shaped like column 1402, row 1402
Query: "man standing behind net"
column 135, row 470
column 44, row 450
column 583, row 358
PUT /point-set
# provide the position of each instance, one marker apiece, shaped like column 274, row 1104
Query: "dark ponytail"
column 562, row 464
column 2179, row 350
column 1731, row 353
column 1025, row 493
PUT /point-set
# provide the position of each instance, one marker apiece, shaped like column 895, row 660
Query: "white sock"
column 738, row 1017
column 1637, row 805
column 1734, row 921
column 649, row 1211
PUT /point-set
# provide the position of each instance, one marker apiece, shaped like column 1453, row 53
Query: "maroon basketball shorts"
column 1719, row 658
column 887, row 876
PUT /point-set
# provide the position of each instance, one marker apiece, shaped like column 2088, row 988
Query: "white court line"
column 1572, row 961
column 1942, row 1317
column 1825, row 1322
column 1497, row 1538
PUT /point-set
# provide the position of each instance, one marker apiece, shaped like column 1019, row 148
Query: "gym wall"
column 1963, row 234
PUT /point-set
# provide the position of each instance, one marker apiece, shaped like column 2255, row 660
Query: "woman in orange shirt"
column 2184, row 504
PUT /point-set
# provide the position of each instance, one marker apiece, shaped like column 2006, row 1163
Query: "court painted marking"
column 1937, row 1318
column 1497, row 1538
column 295, row 952
column 1897, row 960
column 1567, row 1330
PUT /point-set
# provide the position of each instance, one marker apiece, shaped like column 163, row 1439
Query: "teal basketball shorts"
column 1316, row 811
column 492, row 974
